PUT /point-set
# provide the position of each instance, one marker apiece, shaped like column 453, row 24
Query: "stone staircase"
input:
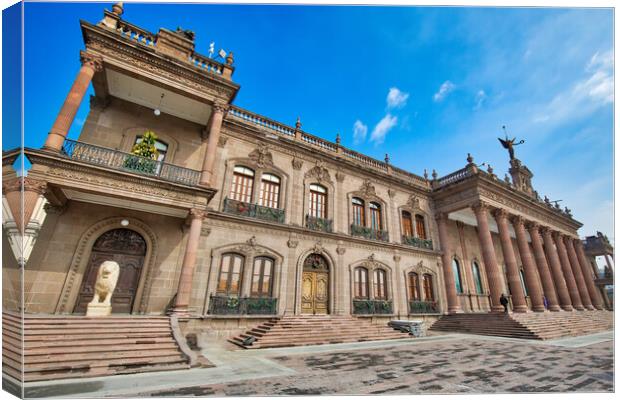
column 537, row 326
column 58, row 347
column 303, row 330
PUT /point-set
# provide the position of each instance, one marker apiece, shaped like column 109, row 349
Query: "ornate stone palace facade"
column 243, row 217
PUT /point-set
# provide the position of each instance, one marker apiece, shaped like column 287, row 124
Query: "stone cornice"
column 498, row 194
column 112, row 46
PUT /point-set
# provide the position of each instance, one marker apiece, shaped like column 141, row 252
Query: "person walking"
column 503, row 300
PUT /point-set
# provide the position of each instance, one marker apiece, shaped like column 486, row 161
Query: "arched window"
column 380, row 284
column 375, row 216
column 427, row 284
column 231, row 272
column 360, row 283
column 262, row 277
column 407, row 224
column 242, row 184
column 456, row 269
column 413, row 283
column 358, row 212
column 162, row 148
column 419, row 226
column 269, row 191
column 475, row 268
column 318, row 201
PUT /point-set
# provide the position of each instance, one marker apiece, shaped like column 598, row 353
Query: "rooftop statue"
column 509, row 144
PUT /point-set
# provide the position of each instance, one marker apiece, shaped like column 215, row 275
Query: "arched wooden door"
column 315, row 285
column 128, row 249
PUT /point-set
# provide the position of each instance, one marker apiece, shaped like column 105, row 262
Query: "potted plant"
column 144, row 154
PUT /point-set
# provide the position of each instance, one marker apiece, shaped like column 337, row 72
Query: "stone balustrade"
column 136, row 34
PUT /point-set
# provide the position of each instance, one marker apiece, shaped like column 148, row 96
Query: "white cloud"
column 382, row 128
column 396, row 98
column 359, row 132
column 443, row 91
column 481, row 96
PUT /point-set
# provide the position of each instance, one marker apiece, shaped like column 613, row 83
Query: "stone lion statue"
column 107, row 276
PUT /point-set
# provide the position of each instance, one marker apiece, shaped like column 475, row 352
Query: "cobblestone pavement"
column 461, row 365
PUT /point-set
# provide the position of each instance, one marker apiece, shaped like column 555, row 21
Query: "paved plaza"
column 452, row 363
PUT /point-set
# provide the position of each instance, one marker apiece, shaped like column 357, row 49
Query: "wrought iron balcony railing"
column 423, row 307
column 369, row 233
column 127, row 162
column 417, row 242
column 370, row 307
column 319, row 224
column 253, row 210
column 230, row 305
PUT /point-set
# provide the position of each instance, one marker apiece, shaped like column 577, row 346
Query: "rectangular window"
column 231, row 269
column 358, row 213
column 428, row 287
column 414, row 288
column 241, row 189
column 407, row 224
column 269, row 194
column 318, row 202
column 419, row 225
column 261, row 277
column 375, row 217
column 380, row 285
column 361, row 283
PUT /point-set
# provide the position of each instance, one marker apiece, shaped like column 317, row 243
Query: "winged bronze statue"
column 509, row 144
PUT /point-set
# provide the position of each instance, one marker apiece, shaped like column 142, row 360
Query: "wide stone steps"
column 538, row 326
column 78, row 346
column 313, row 330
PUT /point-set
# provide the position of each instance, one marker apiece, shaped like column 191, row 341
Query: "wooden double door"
column 315, row 286
column 128, row 249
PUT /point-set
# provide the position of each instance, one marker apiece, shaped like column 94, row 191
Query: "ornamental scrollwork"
column 319, row 172
column 261, row 156
column 368, row 189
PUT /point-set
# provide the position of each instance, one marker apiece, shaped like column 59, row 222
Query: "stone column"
column 529, row 268
column 343, row 286
column 56, row 137
column 556, row 268
column 512, row 269
column 488, row 255
column 568, row 273
column 214, row 135
column 579, row 280
column 543, row 269
column 595, row 297
column 184, row 291
column 446, row 259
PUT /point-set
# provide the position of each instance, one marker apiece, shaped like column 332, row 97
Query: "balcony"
column 319, row 224
column 418, row 242
column 369, row 233
column 253, row 210
column 423, row 307
column 127, row 162
column 229, row 305
column 372, row 307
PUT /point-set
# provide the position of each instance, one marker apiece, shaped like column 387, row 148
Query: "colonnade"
column 554, row 266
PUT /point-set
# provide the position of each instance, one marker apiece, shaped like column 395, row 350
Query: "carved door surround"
column 128, row 249
column 315, row 285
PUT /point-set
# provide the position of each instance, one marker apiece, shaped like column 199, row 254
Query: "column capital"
column 479, row 206
column 517, row 220
column 556, row 235
column 532, row 226
column 196, row 213
column 220, row 107
column 500, row 213
column 441, row 216
column 91, row 60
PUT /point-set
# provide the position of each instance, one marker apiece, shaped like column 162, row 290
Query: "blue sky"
column 426, row 85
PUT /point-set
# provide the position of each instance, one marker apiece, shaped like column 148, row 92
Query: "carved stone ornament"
column 413, row 202
column 341, row 250
column 391, row 193
column 397, row 258
column 368, row 188
column 340, row 176
column 205, row 231
column 261, row 156
column 221, row 141
column 318, row 247
column 371, row 257
column 319, row 172
column 251, row 241
column 297, row 163
column 292, row 244
column 91, row 60
column 196, row 213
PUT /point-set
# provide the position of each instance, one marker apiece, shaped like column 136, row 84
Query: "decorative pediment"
column 261, row 156
column 367, row 188
column 413, row 202
column 319, row 172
